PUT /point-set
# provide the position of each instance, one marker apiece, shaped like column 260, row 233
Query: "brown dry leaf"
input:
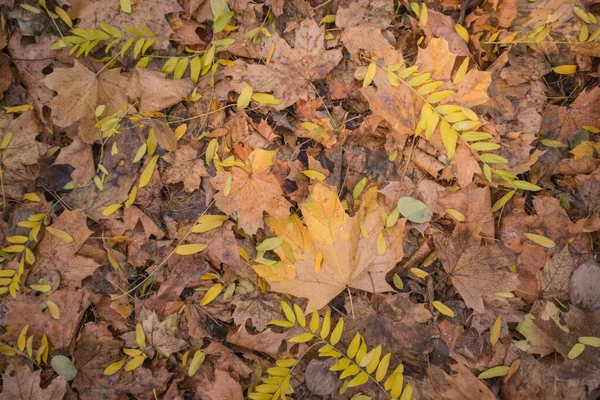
column 95, row 350
column 79, row 156
column 154, row 92
column 347, row 258
column 475, row 270
column 162, row 335
column 224, row 387
column 31, row 60
column 21, row 383
column 80, row 91
column 585, row 285
column 22, row 149
column 474, row 203
column 554, row 279
column 150, row 13
column 266, row 341
column 442, row 26
column 131, row 217
column 291, row 70
column 260, row 310
column 362, row 22
column 185, row 167
column 254, row 190
column 55, row 255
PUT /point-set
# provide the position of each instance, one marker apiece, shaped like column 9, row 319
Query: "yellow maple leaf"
column 345, row 246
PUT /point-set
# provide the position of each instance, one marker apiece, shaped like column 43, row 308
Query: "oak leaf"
column 554, row 279
column 333, row 239
column 22, row 149
column 475, row 270
column 291, row 70
column 362, row 22
column 254, row 189
column 24, row 384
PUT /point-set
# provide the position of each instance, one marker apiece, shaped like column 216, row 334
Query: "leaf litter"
column 419, row 178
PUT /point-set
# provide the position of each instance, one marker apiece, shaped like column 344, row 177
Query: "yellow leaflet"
column 244, row 98
column 197, row 360
column 62, row 14
column 583, row 33
column 589, row 341
column 424, row 15
column 29, row 346
column 270, row 244
column 461, row 71
column 138, row 48
column 524, row 185
column 22, row 338
column 507, row 295
column 495, row 331
column 444, row 309
column 211, row 150
column 457, row 215
column 314, row 324
column 6, row 140
column 485, row 146
column 53, row 309
column 358, row 189
column 371, row 71
column 41, row 288
column 318, row 262
column 299, row 315
column 189, row 249
column 419, row 79
column 148, row 171
column 419, row 272
column 393, row 79
column 554, row 143
column 494, row 372
column 381, row 244
column 195, row 68
column 243, row 254
column 29, row 257
column 135, row 363
column 541, row 240
column 582, row 15
column 449, row 138
column 429, row 87
column 32, row 197
column 265, row 98
column 312, row 174
column 382, row 368
column 125, row 6
column 398, row 282
column 132, row 196
column 272, row 50
column 111, row 209
column 140, row 153
column 228, row 184
column 566, row 69
column 152, row 142
column 301, row 338
column 462, row 32
column 132, row 352
column 575, row 351
column 180, row 131
column 503, row 200
column 490, row 158
column 211, row 294
column 114, row 150
column 336, row 334
column 18, row 109
column 16, row 239
column 169, row 66
column 140, row 337
column 180, row 68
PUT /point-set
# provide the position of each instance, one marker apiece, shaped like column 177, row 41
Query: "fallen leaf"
column 475, row 270
column 162, row 335
column 254, row 189
column 291, row 70
column 348, row 258
column 22, row 383
column 185, row 167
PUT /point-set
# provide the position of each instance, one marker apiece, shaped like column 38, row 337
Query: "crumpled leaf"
column 254, row 189
column 348, row 259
